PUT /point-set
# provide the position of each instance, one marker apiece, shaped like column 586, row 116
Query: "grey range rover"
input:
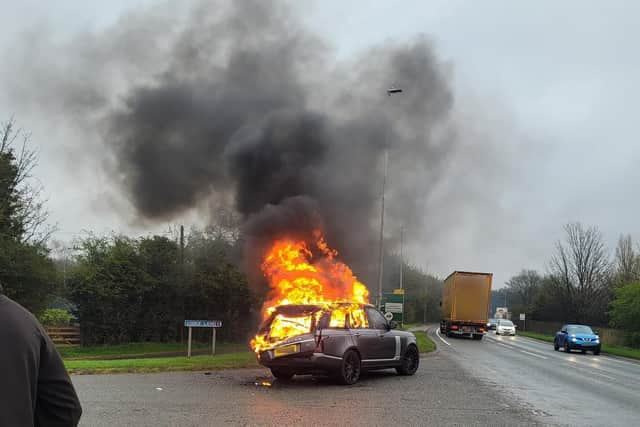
column 340, row 340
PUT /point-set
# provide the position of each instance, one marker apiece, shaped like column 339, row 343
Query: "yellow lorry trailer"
column 466, row 299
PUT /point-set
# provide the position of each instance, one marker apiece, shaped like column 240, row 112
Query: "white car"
column 505, row 327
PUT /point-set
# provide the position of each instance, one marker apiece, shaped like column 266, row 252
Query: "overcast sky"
column 560, row 80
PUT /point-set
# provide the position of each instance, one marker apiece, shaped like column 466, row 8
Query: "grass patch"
column 141, row 350
column 244, row 359
column 425, row 344
column 616, row 350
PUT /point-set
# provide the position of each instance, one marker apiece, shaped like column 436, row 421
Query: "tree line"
column 124, row 289
column 583, row 283
column 128, row 290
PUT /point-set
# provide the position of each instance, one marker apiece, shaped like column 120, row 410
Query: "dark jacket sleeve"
column 57, row 404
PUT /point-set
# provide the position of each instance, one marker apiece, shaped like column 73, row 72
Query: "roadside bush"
column 56, row 317
column 624, row 311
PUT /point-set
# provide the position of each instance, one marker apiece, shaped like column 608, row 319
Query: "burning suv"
column 338, row 339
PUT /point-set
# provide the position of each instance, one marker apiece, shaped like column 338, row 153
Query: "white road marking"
column 533, row 354
column 601, row 375
column 571, row 359
column 441, row 339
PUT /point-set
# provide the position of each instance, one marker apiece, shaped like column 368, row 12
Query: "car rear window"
column 289, row 326
column 289, row 321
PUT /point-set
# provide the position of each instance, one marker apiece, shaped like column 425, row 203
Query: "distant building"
column 502, row 313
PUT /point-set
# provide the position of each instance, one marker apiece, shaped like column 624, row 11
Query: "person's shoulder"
column 12, row 311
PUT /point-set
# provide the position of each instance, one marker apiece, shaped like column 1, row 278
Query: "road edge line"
column 441, row 339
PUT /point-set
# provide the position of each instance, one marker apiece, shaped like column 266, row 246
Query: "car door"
column 562, row 336
column 365, row 336
column 386, row 346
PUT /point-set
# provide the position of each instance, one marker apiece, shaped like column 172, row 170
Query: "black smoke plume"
column 238, row 100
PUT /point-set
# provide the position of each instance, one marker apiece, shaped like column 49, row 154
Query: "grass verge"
column 142, row 350
column 616, row 350
column 425, row 343
column 536, row 335
column 244, row 359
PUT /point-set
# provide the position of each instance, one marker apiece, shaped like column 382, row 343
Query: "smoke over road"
column 238, row 101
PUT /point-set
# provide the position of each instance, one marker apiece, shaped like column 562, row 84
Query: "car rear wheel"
column 410, row 362
column 556, row 347
column 282, row 374
column 477, row 337
column 349, row 372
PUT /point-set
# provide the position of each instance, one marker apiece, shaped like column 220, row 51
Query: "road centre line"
column 513, row 347
column 533, row 354
column 601, row 375
column 441, row 339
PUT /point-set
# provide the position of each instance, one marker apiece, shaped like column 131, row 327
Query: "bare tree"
column 21, row 202
column 627, row 262
column 525, row 285
column 581, row 272
column 225, row 224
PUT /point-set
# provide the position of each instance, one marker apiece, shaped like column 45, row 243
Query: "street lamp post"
column 391, row 91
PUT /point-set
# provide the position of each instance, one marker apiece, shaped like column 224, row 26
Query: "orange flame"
column 300, row 274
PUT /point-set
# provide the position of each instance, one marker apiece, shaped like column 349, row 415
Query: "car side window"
column 358, row 319
column 376, row 319
column 564, row 328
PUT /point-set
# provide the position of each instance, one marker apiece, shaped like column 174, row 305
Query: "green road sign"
column 393, row 306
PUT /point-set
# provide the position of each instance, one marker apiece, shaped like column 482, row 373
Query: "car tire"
column 478, row 337
column 282, row 374
column 410, row 361
column 349, row 372
column 497, row 333
column 567, row 349
column 583, row 351
column 596, row 352
column 556, row 347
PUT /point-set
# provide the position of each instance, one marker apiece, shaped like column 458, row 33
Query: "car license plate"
column 285, row 350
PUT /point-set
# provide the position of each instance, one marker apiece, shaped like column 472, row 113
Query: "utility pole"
column 182, row 285
column 381, row 255
column 401, row 257
column 182, row 246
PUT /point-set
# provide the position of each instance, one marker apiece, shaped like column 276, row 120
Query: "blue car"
column 577, row 337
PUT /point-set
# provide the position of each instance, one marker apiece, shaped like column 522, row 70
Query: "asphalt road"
column 568, row 389
column 440, row 394
column 499, row 381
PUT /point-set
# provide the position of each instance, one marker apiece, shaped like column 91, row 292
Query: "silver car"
column 505, row 327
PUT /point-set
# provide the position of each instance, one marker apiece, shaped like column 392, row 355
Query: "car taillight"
column 454, row 326
column 481, row 329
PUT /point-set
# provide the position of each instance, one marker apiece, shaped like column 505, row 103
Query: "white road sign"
column 393, row 307
column 203, row 323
